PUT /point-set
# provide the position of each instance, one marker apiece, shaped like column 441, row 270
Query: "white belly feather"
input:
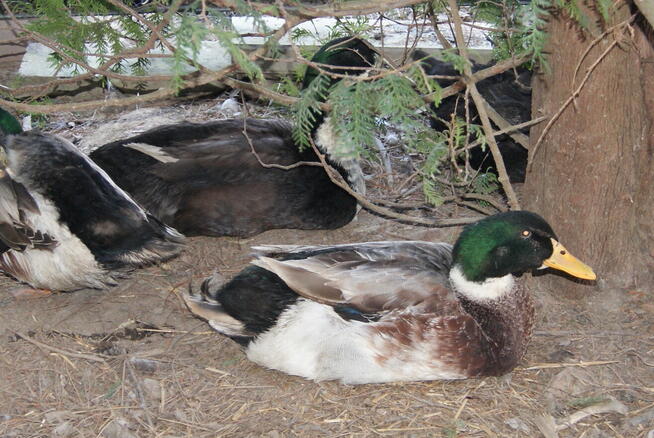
column 69, row 265
column 312, row 341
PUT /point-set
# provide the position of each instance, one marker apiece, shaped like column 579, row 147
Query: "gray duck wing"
column 372, row 277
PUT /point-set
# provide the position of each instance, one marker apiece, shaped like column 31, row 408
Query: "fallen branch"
column 501, row 123
column 605, row 407
column 510, row 129
column 337, row 179
column 273, row 165
column 91, row 357
column 479, row 103
column 195, row 79
column 480, row 75
column 356, row 7
column 546, row 366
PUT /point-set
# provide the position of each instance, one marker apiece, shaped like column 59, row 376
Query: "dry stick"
column 305, row 12
column 502, row 123
column 546, row 366
column 439, row 35
column 594, row 43
column 596, row 409
column 534, row 149
column 139, row 393
column 90, row 357
column 193, row 80
column 510, row 129
column 474, row 206
column 273, row 165
column 453, row 198
column 337, row 179
column 382, row 53
column 476, row 97
column 485, row 198
column 478, row 76
column 590, row 47
column 103, row 69
column 362, row 200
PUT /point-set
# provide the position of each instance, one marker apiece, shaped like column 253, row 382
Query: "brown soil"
column 133, row 362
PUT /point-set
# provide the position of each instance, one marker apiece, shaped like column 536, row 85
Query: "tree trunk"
column 593, row 175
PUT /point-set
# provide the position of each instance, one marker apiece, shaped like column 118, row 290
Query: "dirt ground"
column 133, row 362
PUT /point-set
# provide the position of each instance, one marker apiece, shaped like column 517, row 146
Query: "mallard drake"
column 204, row 179
column 390, row 311
column 64, row 225
column 508, row 92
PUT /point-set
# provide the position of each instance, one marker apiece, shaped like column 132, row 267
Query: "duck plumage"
column 64, row 224
column 213, row 179
column 389, row 311
column 204, row 179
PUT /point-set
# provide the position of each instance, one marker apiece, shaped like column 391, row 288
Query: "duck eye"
column 526, row 233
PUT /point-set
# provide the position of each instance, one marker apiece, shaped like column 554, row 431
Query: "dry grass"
column 132, row 362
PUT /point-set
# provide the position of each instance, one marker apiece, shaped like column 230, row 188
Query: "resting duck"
column 390, row 311
column 204, row 179
column 64, row 225
column 508, row 93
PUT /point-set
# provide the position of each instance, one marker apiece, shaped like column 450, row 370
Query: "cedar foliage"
column 84, row 29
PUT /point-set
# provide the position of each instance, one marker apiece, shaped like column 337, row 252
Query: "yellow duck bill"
column 562, row 260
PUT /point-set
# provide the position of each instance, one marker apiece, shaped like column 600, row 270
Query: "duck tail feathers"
column 205, row 305
column 168, row 242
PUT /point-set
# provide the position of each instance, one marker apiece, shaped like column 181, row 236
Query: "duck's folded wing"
column 372, row 277
column 15, row 204
column 218, row 149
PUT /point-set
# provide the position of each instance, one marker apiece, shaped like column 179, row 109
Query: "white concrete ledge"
column 213, row 56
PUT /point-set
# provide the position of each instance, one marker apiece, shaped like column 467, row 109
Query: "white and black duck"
column 390, row 311
column 204, row 179
column 64, row 225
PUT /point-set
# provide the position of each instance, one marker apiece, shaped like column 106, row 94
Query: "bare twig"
column 195, row 79
column 138, row 390
column 453, row 198
column 306, row 12
column 273, row 165
column 501, row 122
column 91, row 357
column 439, row 35
column 493, row 70
column 511, row 128
column 599, row 408
column 337, row 179
column 477, row 98
column 546, row 366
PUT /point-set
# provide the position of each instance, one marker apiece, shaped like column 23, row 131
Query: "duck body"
column 211, row 179
column 204, row 179
column 509, row 93
column 64, row 224
column 387, row 311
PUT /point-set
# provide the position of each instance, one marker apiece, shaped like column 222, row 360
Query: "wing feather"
column 373, row 277
column 15, row 204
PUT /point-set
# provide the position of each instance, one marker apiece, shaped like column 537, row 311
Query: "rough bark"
column 592, row 176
